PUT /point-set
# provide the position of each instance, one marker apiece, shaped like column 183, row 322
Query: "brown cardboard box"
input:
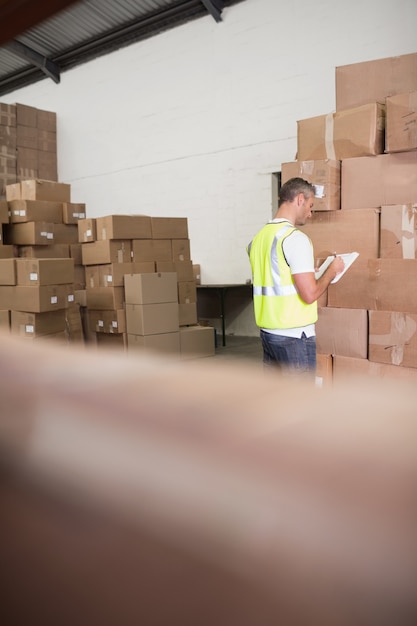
column 37, row 299
column 13, row 192
column 183, row 269
column 38, row 324
column 342, row 135
column 165, row 343
column 151, row 288
column 45, row 190
column 197, row 342
column 92, row 276
column 8, row 271
column 7, row 114
column 47, row 166
column 152, row 319
column 79, row 277
column 35, row 211
column 187, row 314
column 344, row 231
column 151, row 250
column 197, row 273
column 324, row 370
column 4, row 212
column 346, row 369
column 99, row 252
column 373, row 81
column 46, row 141
column 87, row 230
column 112, row 274
column 4, row 320
column 8, row 137
column 123, row 227
column 72, row 212
column 66, row 233
column 27, row 137
column 399, row 231
column 324, row 174
column 110, row 298
column 376, row 181
column 27, row 164
column 393, row 338
column 187, row 292
column 103, row 321
column 46, row 120
column 169, row 227
column 109, row 341
column 44, row 271
column 401, row 123
column 342, row 331
column 58, row 251
column 29, row 233
column 6, row 252
column 379, row 284
column 26, row 115
column 75, row 253
column 181, row 250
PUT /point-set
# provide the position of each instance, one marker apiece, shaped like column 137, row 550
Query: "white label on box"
column 100, row 323
column 88, row 233
column 71, row 298
column 29, row 328
column 319, row 191
column 109, row 278
column 43, row 233
column 50, row 236
column 80, row 216
column 114, row 324
column 54, row 299
column 33, row 276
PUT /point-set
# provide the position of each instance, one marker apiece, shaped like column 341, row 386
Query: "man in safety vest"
column 285, row 290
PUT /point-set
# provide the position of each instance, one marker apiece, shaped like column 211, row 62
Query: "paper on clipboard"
column 348, row 259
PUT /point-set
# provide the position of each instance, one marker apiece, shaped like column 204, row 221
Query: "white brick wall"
column 192, row 122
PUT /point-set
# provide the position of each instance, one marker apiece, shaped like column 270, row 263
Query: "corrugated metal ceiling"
column 90, row 28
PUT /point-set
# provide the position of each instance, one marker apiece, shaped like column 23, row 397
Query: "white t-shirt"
column 300, row 257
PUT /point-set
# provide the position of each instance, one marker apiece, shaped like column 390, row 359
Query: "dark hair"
column 293, row 187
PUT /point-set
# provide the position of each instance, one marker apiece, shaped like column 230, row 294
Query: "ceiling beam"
column 215, row 8
column 47, row 66
column 16, row 16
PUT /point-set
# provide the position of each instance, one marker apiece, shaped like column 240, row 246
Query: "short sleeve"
column 298, row 252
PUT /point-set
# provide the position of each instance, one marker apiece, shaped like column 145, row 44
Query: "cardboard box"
column 8, row 137
column 46, row 141
column 183, row 269
column 110, row 298
column 109, row 341
column 197, row 273
column 169, row 227
column 123, row 227
column 348, row 369
column 38, row 324
column 393, row 338
column 29, row 233
column 46, row 120
column 4, row 212
column 99, row 252
column 79, row 277
column 26, row 115
column 181, row 250
column 380, row 180
column 187, row 292
column 112, row 274
column 153, row 288
column 342, row 331
column 7, row 114
column 75, row 253
column 13, row 192
column 87, row 231
column 324, row 370
column 197, row 342
column 44, row 271
column 379, row 284
column 37, row 299
column 373, row 81
column 344, row 231
column 53, row 251
column 72, row 212
column 152, row 319
column 103, row 321
column 398, row 231
column 27, row 137
column 324, row 174
column 401, row 123
column 66, row 233
column 35, row 211
column 187, row 314
column 151, row 250
column 4, row 320
column 45, row 190
column 47, row 166
column 8, row 271
column 164, row 343
column 6, row 252
column 342, row 135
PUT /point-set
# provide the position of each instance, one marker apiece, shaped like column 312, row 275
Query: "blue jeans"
column 290, row 354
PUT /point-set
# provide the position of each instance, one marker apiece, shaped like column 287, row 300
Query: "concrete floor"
column 239, row 349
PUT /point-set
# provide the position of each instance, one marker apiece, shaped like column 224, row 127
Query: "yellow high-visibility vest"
column 276, row 302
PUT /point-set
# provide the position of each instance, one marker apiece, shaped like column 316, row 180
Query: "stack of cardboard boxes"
column 363, row 159
column 28, row 144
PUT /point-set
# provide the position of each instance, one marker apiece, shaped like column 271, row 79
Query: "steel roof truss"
column 215, row 8
column 47, row 66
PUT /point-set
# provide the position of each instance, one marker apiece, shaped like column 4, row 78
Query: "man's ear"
column 300, row 199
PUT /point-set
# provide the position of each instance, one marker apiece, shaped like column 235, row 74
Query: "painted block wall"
column 194, row 122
